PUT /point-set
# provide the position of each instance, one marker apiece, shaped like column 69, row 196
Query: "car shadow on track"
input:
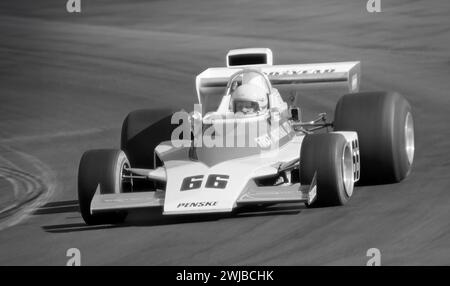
column 153, row 217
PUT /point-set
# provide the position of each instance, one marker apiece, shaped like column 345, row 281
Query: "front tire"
column 102, row 167
column 329, row 155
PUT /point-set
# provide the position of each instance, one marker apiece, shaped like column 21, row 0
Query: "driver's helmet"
column 251, row 96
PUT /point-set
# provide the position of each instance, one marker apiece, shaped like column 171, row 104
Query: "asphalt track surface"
column 67, row 81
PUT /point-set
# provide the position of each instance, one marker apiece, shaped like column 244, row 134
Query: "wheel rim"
column 347, row 170
column 409, row 137
column 125, row 178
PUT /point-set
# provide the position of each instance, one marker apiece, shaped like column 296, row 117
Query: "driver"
column 251, row 97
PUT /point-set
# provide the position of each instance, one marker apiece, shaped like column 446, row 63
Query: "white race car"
column 246, row 143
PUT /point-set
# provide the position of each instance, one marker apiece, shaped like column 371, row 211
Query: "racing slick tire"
column 384, row 123
column 329, row 156
column 142, row 131
column 104, row 167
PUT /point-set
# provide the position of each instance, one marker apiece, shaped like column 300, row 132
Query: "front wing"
column 253, row 194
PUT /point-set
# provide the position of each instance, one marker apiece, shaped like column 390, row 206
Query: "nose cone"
column 194, row 187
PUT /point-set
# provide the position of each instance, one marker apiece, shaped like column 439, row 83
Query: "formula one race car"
column 245, row 143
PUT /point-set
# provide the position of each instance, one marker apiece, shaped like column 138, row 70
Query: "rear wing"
column 341, row 77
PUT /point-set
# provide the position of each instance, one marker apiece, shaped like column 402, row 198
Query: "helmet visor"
column 245, row 106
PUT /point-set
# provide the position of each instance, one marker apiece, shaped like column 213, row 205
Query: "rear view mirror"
column 296, row 113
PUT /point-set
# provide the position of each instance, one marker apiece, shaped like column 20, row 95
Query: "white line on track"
column 31, row 189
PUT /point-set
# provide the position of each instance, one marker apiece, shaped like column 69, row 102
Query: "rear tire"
column 384, row 123
column 330, row 156
column 142, row 131
column 100, row 167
